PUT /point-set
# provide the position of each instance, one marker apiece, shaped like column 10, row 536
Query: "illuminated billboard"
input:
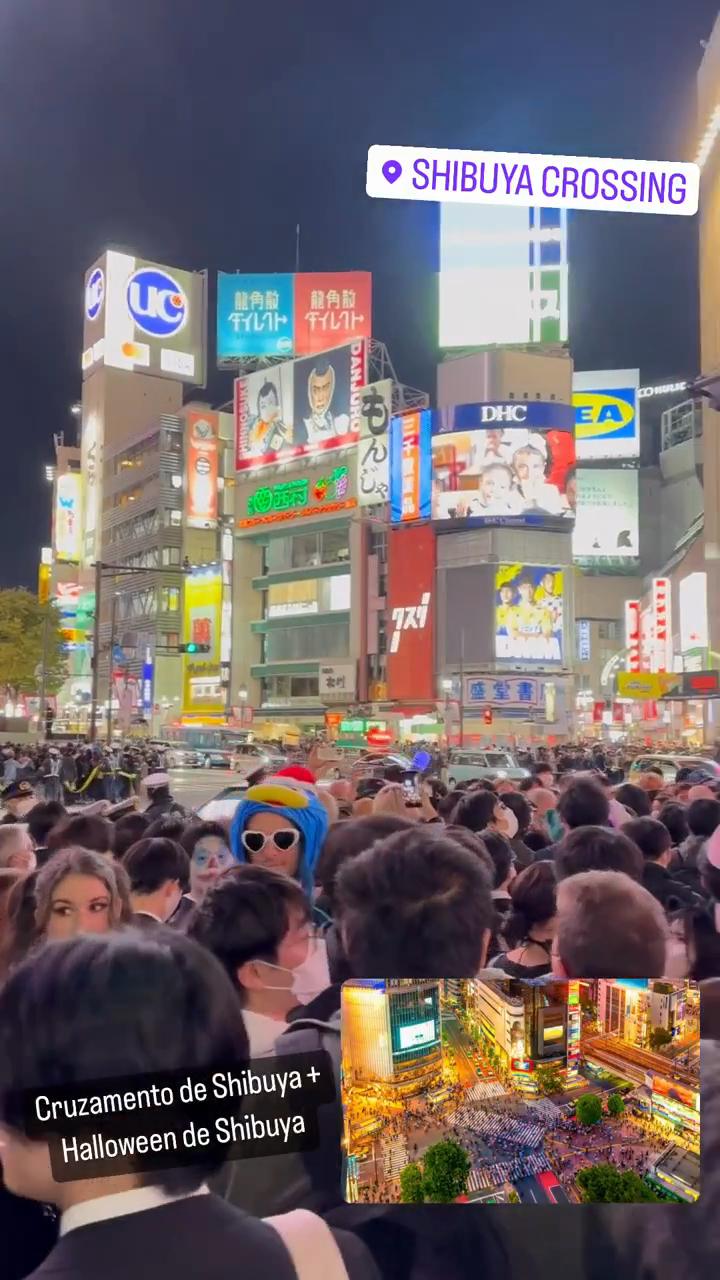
column 145, row 318
column 90, row 455
column 301, row 495
column 299, row 407
column 607, row 515
column 410, row 605
column 201, row 495
column 421, row 1033
column 529, row 620
column 373, row 456
column 503, row 276
column 68, row 523
column 607, row 420
column 692, row 599
column 202, row 616
column 291, row 315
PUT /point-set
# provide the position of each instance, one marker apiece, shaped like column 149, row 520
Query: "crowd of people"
column 232, row 941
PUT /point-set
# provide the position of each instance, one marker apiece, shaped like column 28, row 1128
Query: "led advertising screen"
column 607, row 420
column 299, row 407
column 202, row 470
column 202, row 609
column 291, row 315
column 607, row 515
column 503, row 276
column 145, row 318
column 68, row 526
column 529, row 622
column 504, row 463
column 419, row 1034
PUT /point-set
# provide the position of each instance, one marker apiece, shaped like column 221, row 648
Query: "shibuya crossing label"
column 303, row 496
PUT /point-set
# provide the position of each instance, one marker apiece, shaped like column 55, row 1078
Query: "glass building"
column 391, row 1033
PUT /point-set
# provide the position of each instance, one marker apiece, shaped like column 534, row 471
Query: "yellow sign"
column 44, row 583
column 202, row 618
column 644, row 685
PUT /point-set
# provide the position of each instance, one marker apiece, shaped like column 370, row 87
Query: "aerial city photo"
column 520, row 1092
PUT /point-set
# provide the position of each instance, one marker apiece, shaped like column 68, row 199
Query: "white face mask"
column 309, row 978
column 508, row 823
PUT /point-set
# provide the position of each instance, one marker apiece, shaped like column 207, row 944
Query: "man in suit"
column 158, row 869
column 79, row 1013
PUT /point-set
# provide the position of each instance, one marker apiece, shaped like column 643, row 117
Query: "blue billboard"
column 255, row 316
column 606, row 414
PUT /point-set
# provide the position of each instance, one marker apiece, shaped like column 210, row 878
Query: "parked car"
column 669, row 764
column 465, row 766
column 248, row 757
column 221, row 808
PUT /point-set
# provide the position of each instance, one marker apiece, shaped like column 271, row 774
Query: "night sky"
column 197, row 133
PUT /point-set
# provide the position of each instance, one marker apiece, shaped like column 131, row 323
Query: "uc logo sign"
column 94, row 294
column 156, row 302
column 599, row 414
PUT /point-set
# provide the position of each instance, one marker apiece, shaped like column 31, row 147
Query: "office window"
column 305, row 551
column 170, row 599
column 335, row 545
column 171, row 555
column 296, row 644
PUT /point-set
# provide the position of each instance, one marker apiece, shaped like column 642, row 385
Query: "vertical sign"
column 582, row 640
column 373, row 455
column 662, row 642
column 411, row 588
column 202, row 470
column 632, row 635
column 411, row 466
column 68, row 532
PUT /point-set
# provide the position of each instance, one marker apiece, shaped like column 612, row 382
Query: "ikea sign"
column 606, row 423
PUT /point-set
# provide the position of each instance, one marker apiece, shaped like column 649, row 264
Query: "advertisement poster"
column 91, row 478
column 68, row 528
column 607, row 515
column 299, row 407
column 255, row 316
column 331, row 309
column 202, row 610
column 411, row 466
column 607, row 423
column 373, row 456
column 529, row 614
column 312, row 493
column 202, row 470
column 410, row 605
column 504, row 463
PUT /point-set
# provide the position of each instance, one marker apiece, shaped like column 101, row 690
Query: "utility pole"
column 111, row 659
column 43, row 677
column 96, row 652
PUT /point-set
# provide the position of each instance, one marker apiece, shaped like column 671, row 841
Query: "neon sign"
column 299, row 497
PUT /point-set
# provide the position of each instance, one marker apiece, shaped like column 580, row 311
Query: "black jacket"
column 672, row 893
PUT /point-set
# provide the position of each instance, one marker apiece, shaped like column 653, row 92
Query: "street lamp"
column 243, row 693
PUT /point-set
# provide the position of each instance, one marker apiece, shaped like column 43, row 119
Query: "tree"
column 446, row 1170
column 412, row 1189
column 22, row 640
column 513, row 1197
column 604, row 1184
column 615, row 1104
column 658, row 1038
column 588, row 1109
column 549, row 1080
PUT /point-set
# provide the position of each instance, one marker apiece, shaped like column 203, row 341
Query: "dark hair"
column 350, row 839
column 526, row 784
column 598, row 849
column 82, row 831
column 703, row 945
column 501, row 854
column 128, row 831
column 651, row 837
column 20, row 928
column 536, row 841
column 438, row 792
column 476, row 810
column 151, row 863
column 190, row 836
column 449, row 804
column 583, row 803
column 710, row 876
column 635, row 798
column 414, row 905
column 540, row 767
column 703, row 816
column 520, row 807
column 246, row 915
column 42, row 818
column 169, row 827
column 474, row 843
column 112, row 1005
column 674, row 817
column 533, row 902
column 268, row 388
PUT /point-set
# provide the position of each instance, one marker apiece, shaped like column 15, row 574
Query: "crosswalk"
column 494, row 1127
column 395, row 1156
column 485, row 1090
column 488, row 1176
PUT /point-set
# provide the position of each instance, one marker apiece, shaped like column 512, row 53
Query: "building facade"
column 392, row 1034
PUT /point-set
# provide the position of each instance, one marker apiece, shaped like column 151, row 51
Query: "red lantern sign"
column 379, row 739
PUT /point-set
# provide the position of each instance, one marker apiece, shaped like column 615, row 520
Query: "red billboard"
column 411, row 613
column 332, row 308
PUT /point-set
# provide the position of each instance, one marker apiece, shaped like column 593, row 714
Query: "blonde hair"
column 83, row 862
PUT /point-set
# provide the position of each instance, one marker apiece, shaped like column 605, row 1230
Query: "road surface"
column 459, row 1042
column 531, row 1191
column 192, row 787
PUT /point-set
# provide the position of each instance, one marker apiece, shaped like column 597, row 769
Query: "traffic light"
column 193, row 648
column 487, row 715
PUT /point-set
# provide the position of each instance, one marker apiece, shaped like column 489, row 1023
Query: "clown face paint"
column 210, row 858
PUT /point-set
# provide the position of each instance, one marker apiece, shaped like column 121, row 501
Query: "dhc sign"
column 156, row 302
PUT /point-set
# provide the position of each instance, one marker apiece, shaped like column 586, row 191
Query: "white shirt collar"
column 262, row 1032
column 119, row 1205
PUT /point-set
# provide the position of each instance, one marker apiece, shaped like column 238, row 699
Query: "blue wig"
column 302, row 809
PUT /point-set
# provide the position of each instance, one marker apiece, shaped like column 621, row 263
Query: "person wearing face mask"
column 484, row 811
column 281, row 827
column 158, row 870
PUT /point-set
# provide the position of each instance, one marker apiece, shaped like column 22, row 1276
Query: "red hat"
column 297, row 772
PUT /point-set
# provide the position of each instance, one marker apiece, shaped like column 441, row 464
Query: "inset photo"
column 517, row 1092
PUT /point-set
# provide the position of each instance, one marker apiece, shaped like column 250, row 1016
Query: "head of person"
column 157, row 786
column 18, row 798
column 128, row 830
column 17, row 850
column 495, row 484
column 84, row 831
column 607, row 925
column 651, row 837
column 321, row 387
column 208, row 847
column 159, row 874
column 502, row 857
column 42, row 818
column 80, row 1011
column 414, row 904
column 703, row 816
column 532, row 914
column 268, row 403
column 79, row 891
column 257, row 923
column 280, row 827
column 449, row 804
column 583, row 803
column 520, row 806
column 169, row 827
column 474, row 843
column 674, row 817
column 347, row 840
column 599, row 849
column 485, row 811
column 634, row 798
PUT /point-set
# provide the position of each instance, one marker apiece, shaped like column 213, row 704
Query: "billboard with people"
column 529, row 618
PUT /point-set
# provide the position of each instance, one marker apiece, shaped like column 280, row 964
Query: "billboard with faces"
column 505, row 463
column 529, row 614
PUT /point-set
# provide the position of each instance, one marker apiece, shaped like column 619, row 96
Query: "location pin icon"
column 392, row 170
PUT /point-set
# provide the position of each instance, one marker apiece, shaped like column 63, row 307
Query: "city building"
column 677, row 1170
column 392, row 1034
column 528, row 1026
column 630, row 1008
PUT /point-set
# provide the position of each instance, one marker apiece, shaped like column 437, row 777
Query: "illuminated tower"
column 392, row 1033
